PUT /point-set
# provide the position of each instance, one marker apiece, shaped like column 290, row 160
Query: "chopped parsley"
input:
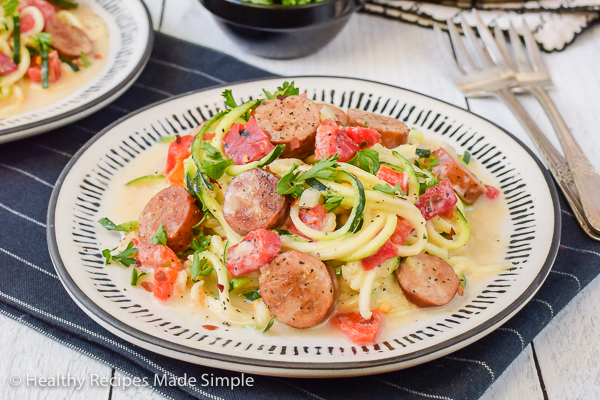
column 367, row 160
column 160, row 237
column 332, row 201
column 70, row 5
column 292, row 182
column 199, row 268
column 84, row 61
column 388, row 189
column 466, row 158
column 216, row 169
column 135, row 277
column 122, row 258
column 287, row 89
column 423, row 153
column 432, row 161
column 253, row 294
column 229, row 101
column 200, row 243
column 10, row 7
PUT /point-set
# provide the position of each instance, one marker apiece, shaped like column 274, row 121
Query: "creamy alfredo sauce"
column 70, row 81
column 486, row 246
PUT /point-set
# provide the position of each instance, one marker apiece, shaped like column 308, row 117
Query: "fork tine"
column 489, row 42
column 518, row 50
column 533, row 50
column 462, row 56
column 451, row 64
column 503, row 46
column 482, row 60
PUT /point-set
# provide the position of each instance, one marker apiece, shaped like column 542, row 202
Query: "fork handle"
column 555, row 161
column 586, row 178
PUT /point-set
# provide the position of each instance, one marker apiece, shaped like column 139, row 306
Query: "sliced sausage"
column 292, row 121
column 427, row 280
column 69, row 40
column 177, row 211
column 252, row 202
column 393, row 132
column 297, row 288
column 464, row 182
column 341, row 116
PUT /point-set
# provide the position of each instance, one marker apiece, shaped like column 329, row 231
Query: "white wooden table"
column 564, row 360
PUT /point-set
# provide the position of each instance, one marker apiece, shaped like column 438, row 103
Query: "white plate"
column 130, row 43
column 88, row 182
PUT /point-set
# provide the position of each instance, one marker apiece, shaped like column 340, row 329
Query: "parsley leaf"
column 124, row 227
column 211, row 151
column 198, row 268
column 466, row 158
column 423, row 153
column 433, row 161
column 332, row 201
column 286, row 184
column 216, row 169
column 367, row 160
column 10, row 7
column 396, row 190
column 287, row 89
column 160, row 237
column 229, row 101
column 323, row 169
column 84, row 61
column 291, row 182
column 135, row 277
column 253, row 294
column 121, row 258
column 200, row 243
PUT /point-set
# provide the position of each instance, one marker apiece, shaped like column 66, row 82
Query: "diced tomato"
column 393, row 177
column 402, row 232
column 55, row 70
column 156, row 256
column 492, row 192
column 359, row 330
column 258, row 248
column 436, row 200
column 46, row 8
column 7, row 65
column 27, row 23
column 314, row 217
column 179, row 150
column 364, row 137
column 448, row 214
column 164, row 281
column 330, row 140
column 246, row 143
column 385, row 252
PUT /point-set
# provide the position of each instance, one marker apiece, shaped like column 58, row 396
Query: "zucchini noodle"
column 458, row 225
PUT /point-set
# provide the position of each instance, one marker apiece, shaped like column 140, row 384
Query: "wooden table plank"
column 568, row 350
column 27, row 353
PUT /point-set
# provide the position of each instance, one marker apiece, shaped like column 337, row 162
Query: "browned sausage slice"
column 252, row 202
column 292, row 121
column 341, row 116
column 393, row 132
column 67, row 39
column 297, row 288
column 464, row 182
column 427, row 280
column 177, row 211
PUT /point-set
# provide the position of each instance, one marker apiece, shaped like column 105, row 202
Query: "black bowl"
column 282, row 32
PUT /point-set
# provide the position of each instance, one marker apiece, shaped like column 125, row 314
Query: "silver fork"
column 483, row 71
column 533, row 77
